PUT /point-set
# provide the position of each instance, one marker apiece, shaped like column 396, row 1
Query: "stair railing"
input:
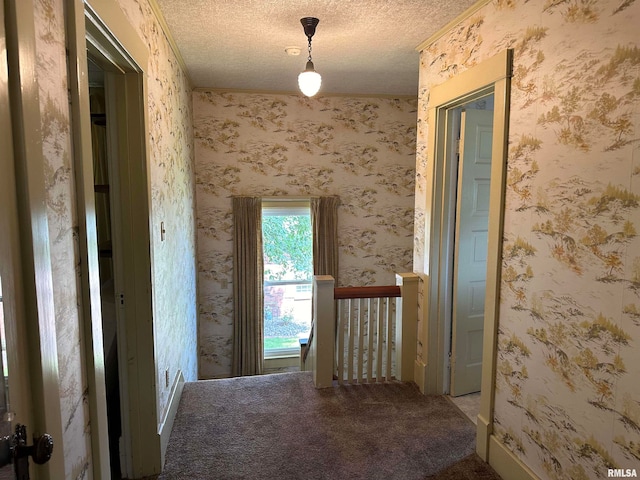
column 363, row 334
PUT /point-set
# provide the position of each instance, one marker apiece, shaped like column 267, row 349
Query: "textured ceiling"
column 360, row 46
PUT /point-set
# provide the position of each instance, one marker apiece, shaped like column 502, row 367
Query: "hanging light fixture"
column 309, row 81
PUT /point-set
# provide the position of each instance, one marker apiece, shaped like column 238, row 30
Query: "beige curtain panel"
column 324, row 222
column 248, row 296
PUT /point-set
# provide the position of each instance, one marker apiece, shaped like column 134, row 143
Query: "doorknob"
column 14, row 449
column 41, row 449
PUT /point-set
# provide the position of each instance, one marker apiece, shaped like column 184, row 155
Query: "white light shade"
column 309, row 82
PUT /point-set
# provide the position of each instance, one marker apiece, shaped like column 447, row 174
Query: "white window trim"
column 285, row 207
column 282, row 207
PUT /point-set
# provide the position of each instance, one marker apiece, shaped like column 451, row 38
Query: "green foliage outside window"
column 288, row 257
column 287, row 243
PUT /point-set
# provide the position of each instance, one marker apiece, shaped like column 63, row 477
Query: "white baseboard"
column 420, row 375
column 165, row 427
column 507, row 464
column 483, row 437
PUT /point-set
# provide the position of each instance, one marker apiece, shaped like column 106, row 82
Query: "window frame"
column 284, row 207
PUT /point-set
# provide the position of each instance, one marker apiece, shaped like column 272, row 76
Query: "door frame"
column 88, row 251
column 493, row 74
column 31, row 271
column 103, row 27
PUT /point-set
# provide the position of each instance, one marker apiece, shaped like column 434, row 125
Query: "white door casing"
column 470, row 257
column 87, row 243
column 104, row 28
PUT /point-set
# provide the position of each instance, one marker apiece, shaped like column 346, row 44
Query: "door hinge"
column 458, row 146
column 122, row 299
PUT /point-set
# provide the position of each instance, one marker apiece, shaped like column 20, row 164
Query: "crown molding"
column 167, row 33
column 460, row 18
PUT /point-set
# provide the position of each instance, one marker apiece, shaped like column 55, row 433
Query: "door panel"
column 13, row 402
column 29, row 357
column 470, row 257
column 6, row 470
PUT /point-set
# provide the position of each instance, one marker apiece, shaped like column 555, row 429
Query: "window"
column 288, row 272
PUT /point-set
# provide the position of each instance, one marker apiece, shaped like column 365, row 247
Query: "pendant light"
column 309, row 81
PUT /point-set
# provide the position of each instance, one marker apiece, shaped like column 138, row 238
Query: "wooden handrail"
column 340, row 293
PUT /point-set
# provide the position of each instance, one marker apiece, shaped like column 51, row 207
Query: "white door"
column 470, row 257
column 15, row 404
column 20, row 393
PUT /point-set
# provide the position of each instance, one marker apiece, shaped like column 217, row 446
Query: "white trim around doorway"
column 491, row 75
column 102, row 26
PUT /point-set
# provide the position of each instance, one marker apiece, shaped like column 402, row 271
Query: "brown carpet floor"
column 281, row 427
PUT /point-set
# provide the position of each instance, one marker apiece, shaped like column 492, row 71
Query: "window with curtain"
column 288, row 272
column 284, row 265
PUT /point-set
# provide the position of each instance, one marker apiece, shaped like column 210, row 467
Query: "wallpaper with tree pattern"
column 362, row 149
column 567, row 389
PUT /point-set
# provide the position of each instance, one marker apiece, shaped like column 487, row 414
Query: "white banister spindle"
column 324, row 327
column 370, row 324
column 379, row 337
column 342, row 320
column 389, row 339
column 352, row 334
column 360, row 338
column 406, row 325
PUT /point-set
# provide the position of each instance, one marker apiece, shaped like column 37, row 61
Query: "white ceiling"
column 360, row 46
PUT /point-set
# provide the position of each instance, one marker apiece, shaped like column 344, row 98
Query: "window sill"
column 281, row 364
column 282, row 353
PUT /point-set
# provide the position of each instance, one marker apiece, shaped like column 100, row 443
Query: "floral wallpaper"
column 171, row 175
column 361, row 149
column 567, row 390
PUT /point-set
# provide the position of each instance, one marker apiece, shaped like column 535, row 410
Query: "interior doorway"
column 490, row 77
column 473, row 122
column 102, row 180
column 471, row 127
column 99, row 31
